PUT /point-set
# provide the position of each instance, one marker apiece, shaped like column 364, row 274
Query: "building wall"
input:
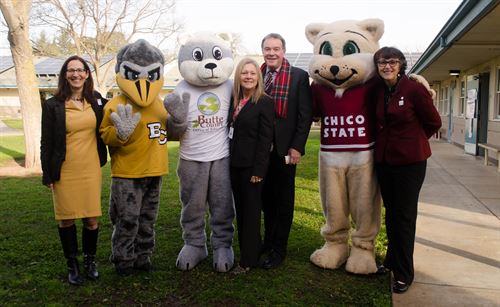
column 9, row 103
column 450, row 94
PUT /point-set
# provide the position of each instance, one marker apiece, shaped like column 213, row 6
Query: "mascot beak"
column 141, row 91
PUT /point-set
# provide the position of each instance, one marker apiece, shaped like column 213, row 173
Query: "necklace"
column 79, row 99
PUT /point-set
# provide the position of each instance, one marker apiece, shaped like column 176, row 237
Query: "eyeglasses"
column 78, row 70
column 392, row 63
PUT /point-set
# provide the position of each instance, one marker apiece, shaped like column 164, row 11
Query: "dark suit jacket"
column 411, row 119
column 252, row 136
column 292, row 131
column 53, row 141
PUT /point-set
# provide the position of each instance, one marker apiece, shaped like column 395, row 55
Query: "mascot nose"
column 334, row 69
column 210, row 65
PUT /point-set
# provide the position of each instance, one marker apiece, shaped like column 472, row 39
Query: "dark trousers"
column 400, row 187
column 278, row 202
column 248, row 204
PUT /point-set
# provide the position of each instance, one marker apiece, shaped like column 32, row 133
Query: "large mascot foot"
column 223, row 259
column 190, row 256
column 361, row 261
column 331, row 255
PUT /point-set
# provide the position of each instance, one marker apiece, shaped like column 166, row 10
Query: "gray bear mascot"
column 206, row 63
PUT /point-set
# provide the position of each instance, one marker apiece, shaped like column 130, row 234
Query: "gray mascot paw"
column 177, row 111
column 223, row 259
column 177, row 108
column 190, row 256
column 124, row 121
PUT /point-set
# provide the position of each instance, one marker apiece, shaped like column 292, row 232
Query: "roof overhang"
column 469, row 38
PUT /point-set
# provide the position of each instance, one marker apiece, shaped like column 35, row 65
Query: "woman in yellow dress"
column 72, row 154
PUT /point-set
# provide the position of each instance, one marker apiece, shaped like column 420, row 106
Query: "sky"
column 410, row 25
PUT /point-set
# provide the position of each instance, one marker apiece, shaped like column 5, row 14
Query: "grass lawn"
column 33, row 272
column 11, row 149
column 14, row 123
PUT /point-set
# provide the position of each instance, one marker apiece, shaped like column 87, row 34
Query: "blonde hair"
column 237, row 92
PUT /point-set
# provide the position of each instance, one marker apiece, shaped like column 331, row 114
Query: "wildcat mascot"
column 205, row 62
column 342, row 69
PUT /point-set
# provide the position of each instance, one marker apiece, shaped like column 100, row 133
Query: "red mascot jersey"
column 347, row 122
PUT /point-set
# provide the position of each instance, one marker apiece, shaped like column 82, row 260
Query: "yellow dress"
column 78, row 193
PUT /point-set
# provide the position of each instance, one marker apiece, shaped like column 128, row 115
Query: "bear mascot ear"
column 226, row 37
column 374, row 26
column 183, row 38
column 313, row 29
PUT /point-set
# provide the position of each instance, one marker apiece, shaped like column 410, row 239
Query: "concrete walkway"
column 457, row 249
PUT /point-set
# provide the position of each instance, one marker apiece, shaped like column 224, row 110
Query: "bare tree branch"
column 93, row 25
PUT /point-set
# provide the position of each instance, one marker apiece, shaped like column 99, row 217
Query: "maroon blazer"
column 404, row 129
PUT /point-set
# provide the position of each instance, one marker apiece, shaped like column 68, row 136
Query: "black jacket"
column 252, row 136
column 292, row 131
column 53, row 142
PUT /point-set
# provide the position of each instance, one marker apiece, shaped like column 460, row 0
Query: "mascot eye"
column 154, row 74
column 326, row 49
column 350, row 47
column 197, row 54
column 130, row 74
column 217, row 52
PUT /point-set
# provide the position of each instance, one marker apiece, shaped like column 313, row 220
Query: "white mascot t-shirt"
column 206, row 138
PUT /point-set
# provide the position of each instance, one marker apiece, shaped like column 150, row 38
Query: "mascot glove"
column 176, row 108
column 125, row 122
column 424, row 82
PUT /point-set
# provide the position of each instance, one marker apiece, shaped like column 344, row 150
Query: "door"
column 470, row 144
column 482, row 119
column 450, row 111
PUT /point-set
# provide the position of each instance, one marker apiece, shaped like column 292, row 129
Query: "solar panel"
column 6, row 62
column 49, row 66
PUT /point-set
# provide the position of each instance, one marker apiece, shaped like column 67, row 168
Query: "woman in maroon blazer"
column 406, row 119
column 251, row 133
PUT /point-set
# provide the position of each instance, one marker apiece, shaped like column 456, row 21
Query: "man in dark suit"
column 289, row 87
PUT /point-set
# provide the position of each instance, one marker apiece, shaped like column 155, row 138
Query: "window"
column 463, row 97
column 497, row 95
column 443, row 100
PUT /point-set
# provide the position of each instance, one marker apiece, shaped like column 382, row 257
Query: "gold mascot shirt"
column 144, row 154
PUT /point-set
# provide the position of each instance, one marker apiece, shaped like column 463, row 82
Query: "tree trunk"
column 16, row 14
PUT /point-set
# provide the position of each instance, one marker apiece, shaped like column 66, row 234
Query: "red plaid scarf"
column 279, row 91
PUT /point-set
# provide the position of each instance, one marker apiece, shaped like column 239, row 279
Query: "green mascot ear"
column 374, row 26
column 313, row 29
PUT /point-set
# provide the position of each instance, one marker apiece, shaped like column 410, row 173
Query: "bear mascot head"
column 205, row 59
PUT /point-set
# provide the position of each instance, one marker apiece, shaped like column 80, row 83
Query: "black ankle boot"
column 70, row 248
column 89, row 247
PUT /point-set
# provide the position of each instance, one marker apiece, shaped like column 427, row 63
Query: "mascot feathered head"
column 139, row 72
column 343, row 52
column 205, row 59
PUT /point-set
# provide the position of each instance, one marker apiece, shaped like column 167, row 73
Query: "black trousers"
column 400, row 186
column 278, row 202
column 248, row 204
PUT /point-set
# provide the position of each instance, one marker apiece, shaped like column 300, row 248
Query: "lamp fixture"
column 455, row 72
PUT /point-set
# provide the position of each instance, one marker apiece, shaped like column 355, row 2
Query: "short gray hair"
column 273, row 35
